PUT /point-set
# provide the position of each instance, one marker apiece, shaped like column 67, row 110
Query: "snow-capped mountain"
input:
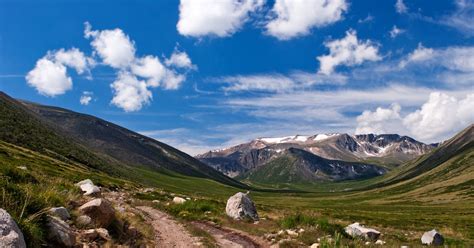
column 385, row 149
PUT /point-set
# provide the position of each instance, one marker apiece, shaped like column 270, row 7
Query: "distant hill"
column 301, row 167
column 94, row 142
column 387, row 150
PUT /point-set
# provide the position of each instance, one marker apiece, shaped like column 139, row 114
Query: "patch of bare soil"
column 226, row 237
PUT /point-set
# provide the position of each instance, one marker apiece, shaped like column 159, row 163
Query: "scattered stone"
column 315, row 245
column 270, row 236
column 301, row 230
column 179, row 200
column 22, row 168
column 367, row 243
column 281, row 232
column 379, row 242
column 240, row 206
column 148, row 190
column 100, row 211
column 356, row 230
column 404, row 246
column 188, row 198
column 10, row 234
column 432, row 238
column 60, row 232
column 94, row 234
column 60, row 212
column 284, row 241
column 83, row 220
column 292, row 233
column 88, row 187
column 155, row 201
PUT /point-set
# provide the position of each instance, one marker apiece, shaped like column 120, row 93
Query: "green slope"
column 94, row 142
column 296, row 166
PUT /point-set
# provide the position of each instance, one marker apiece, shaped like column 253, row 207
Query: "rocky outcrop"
column 100, row 211
column 179, row 200
column 10, row 234
column 60, row 212
column 356, row 230
column 240, row 206
column 432, row 238
column 88, row 187
column 60, row 233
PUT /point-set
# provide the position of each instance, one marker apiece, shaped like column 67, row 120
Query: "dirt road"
column 168, row 232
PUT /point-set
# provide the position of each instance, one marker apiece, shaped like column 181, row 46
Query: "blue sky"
column 205, row 74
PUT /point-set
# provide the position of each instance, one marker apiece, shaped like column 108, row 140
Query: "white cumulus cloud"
column 382, row 120
column 294, row 18
column 347, row 51
column 180, row 60
column 113, row 46
column 86, row 98
column 130, row 94
column 440, row 117
column 217, row 18
column 151, row 68
column 74, row 58
column 49, row 77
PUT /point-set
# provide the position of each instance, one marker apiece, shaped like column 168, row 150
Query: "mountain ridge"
column 388, row 150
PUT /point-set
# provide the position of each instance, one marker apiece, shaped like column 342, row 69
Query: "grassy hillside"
column 91, row 141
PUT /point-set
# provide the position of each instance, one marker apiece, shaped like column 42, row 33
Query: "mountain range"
column 317, row 157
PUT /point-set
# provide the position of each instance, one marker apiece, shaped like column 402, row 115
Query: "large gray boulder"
column 60, row 212
column 432, row 238
column 100, row 210
column 60, row 232
column 356, row 230
column 88, row 187
column 240, row 206
column 10, row 234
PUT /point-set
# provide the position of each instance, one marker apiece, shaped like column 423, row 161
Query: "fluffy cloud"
column 219, row 18
column 49, row 77
column 400, row 7
column 73, row 58
column 180, row 60
column 438, row 118
column 396, row 32
column 113, row 46
column 135, row 75
column 347, row 51
column 382, row 120
column 86, row 98
column 151, row 68
column 130, row 94
column 296, row 18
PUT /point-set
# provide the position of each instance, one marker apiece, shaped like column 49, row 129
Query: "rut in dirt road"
column 168, row 232
column 229, row 238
